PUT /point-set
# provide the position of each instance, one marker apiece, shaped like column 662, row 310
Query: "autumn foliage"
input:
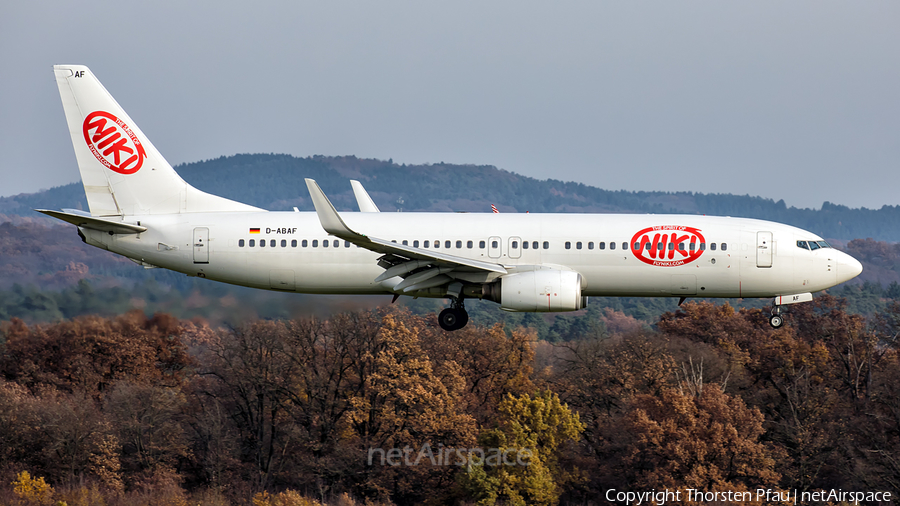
column 153, row 410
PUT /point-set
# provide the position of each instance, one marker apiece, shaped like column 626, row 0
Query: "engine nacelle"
column 543, row 291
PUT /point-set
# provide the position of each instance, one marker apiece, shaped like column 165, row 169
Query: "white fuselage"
column 752, row 258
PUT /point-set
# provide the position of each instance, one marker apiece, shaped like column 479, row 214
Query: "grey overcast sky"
column 795, row 100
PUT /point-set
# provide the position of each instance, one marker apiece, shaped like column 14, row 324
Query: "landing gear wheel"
column 453, row 318
column 776, row 321
column 463, row 318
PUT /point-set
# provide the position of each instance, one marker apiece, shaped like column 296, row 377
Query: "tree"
column 249, row 373
column 90, row 354
column 530, row 430
column 493, row 361
column 709, row 442
column 408, row 402
column 146, row 419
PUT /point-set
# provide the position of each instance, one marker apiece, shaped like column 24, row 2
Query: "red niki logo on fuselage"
column 113, row 143
column 667, row 245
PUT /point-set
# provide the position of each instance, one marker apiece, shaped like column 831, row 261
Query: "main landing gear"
column 454, row 317
column 776, row 320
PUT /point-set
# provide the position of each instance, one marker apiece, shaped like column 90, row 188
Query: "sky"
column 795, row 100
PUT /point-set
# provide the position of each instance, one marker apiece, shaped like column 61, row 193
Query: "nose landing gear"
column 776, row 320
column 454, row 317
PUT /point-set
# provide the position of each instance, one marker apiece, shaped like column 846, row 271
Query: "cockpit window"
column 812, row 245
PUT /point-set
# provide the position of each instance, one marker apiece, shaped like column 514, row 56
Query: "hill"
column 275, row 182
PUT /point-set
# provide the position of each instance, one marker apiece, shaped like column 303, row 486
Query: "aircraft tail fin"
column 123, row 174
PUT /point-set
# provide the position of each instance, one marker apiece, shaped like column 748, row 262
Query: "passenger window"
column 447, row 244
column 578, row 245
column 692, row 246
column 336, row 244
column 671, row 246
column 347, row 244
column 252, row 243
column 637, row 246
column 802, row 244
column 241, row 243
column 546, row 244
column 293, row 243
column 813, row 245
column 659, row 246
column 315, row 243
column 284, row 243
column 458, row 244
column 495, row 244
column 405, row 242
column 647, row 246
column 601, row 245
column 702, row 246
column 425, row 244
column 470, row 244
column 612, row 245
column 568, row 245
column 724, row 246
column 591, row 245
column 272, row 243
column 515, row 245
column 437, row 244
column 304, row 243
column 481, row 244
column 524, row 244
column 681, row 246
column 325, row 243
column 262, row 243
column 415, row 244
column 712, row 246
column 534, row 245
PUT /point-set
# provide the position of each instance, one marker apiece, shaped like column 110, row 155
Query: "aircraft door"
column 494, row 247
column 764, row 248
column 201, row 245
column 515, row 247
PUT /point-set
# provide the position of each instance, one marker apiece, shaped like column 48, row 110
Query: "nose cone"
column 847, row 268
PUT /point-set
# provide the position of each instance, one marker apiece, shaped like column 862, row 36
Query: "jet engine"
column 542, row 291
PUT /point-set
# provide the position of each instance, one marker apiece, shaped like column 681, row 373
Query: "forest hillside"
column 275, row 182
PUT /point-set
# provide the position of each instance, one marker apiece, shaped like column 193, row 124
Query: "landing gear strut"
column 776, row 320
column 454, row 317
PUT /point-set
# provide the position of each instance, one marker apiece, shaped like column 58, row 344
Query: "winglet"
column 328, row 216
column 363, row 200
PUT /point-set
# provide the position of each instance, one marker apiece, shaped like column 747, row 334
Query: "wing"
column 421, row 268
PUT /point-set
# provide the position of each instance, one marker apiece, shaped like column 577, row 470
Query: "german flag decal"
column 254, row 230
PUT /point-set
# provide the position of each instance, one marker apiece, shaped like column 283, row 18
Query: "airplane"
column 535, row 262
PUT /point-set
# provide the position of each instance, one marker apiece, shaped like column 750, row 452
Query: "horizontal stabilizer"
column 79, row 220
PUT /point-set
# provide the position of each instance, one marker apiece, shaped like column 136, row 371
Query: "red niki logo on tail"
column 667, row 245
column 113, row 143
